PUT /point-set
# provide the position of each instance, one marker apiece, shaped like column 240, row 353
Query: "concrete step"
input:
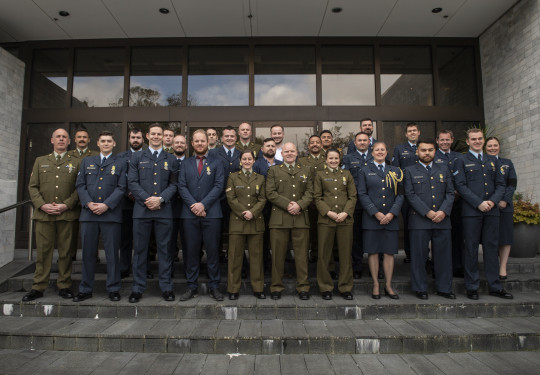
column 275, row 336
column 363, row 307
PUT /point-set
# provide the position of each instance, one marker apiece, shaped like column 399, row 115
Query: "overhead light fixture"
column 163, row 10
column 63, row 13
column 436, row 10
column 337, row 10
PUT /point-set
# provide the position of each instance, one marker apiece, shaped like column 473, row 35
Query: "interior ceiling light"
column 164, row 10
column 436, row 10
column 63, row 13
column 337, row 10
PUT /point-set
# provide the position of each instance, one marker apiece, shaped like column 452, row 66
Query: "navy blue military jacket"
column 353, row 162
column 176, row 201
column 477, row 182
column 206, row 188
column 447, row 159
column 404, row 156
column 377, row 194
column 510, row 181
column 428, row 191
column 352, row 147
column 261, row 165
column 126, row 155
column 230, row 165
column 102, row 183
column 148, row 177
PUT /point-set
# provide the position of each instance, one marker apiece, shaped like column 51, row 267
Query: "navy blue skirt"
column 380, row 241
column 506, row 228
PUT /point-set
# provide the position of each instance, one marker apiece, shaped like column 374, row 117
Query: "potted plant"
column 526, row 227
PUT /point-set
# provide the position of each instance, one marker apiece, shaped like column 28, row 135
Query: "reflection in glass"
column 342, row 132
column 49, row 78
column 347, row 75
column 393, row 132
column 218, row 76
column 285, row 75
column 457, row 76
column 406, row 76
column 156, row 77
column 93, row 129
column 98, row 79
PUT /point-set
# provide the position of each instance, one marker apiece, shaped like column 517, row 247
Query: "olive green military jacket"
column 245, row 194
column 54, row 181
column 334, row 191
column 253, row 147
column 75, row 153
column 316, row 164
column 284, row 186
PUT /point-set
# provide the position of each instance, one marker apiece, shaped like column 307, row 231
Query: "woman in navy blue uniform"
column 381, row 193
column 506, row 207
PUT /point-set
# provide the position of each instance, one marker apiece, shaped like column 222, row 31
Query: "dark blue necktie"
column 103, row 160
column 381, row 168
column 229, row 153
column 428, row 168
column 155, row 155
column 480, row 158
column 364, row 157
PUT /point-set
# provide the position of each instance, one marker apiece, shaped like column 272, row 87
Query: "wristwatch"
column 161, row 200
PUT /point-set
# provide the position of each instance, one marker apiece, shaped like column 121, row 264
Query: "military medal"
column 208, row 170
column 113, row 170
column 441, row 177
column 70, row 167
column 344, row 181
column 166, row 166
column 257, row 189
column 493, row 166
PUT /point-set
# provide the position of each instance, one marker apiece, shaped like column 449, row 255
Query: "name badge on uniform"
column 405, row 152
column 166, row 166
column 355, row 162
column 417, row 177
column 144, row 162
column 328, row 179
column 45, row 165
column 469, row 165
column 372, row 174
column 91, row 167
column 113, row 170
column 239, row 186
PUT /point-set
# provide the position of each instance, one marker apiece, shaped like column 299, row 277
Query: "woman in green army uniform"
column 335, row 198
column 246, row 197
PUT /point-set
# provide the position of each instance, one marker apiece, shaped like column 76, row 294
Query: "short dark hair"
column 474, row 130
column 82, row 129
column 445, row 131
column 427, row 141
column 134, row 131
column 313, row 136
column 268, row 140
column 412, row 125
column 228, row 127
column 155, row 125
column 332, row 150
column 493, row 139
column 357, row 134
column 273, row 126
column 211, row 128
column 169, row 129
column 105, row 133
column 326, row 131
column 366, row 119
column 246, row 151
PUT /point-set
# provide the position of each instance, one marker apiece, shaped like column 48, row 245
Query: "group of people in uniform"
column 325, row 206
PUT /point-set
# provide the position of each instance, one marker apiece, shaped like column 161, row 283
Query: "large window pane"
column 98, row 77
column 93, row 129
column 297, row 132
column 49, row 78
column 218, row 76
column 343, row 132
column 175, row 126
column 406, row 76
column 285, row 75
column 347, row 75
column 156, row 77
column 457, row 76
column 393, row 133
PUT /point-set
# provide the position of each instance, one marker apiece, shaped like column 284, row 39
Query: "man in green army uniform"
column 335, row 197
column 244, row 143
column 56, row 203
column 81, row 140
column 327, row 140
column 317, row 161
column 289, row 187
column 168, row 140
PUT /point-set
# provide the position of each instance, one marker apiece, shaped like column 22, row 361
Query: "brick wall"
column 11, row 95
column 510, row 58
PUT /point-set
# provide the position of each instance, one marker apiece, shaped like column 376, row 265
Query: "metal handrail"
column 30, row 221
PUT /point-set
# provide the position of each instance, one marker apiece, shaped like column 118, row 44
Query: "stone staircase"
column 267, row 327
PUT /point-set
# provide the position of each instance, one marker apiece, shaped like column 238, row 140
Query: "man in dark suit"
column 403, row 157
column 430, row 192
column 101, row 185
column 481, row 185
column 366, row 126
column 201, row 185
column 136, row 143
column 153, row 181
column 354, row 162
column 179, row 146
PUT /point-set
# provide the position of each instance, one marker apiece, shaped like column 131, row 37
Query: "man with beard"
column 168, row 136
column 244, row 143
column 317, row 162
column 201, row 185
column 430, row 192
column 153, row 181
column 261, row 165
column 212, row 135
column 366, row 126
column 179, row 146
column 136, row 143
column 277, row 133
column 289, row 187
column 354, row 162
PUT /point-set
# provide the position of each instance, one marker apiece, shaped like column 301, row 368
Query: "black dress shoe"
column 188, row 294
column 65, row 293
column 446, row 295
column 149, row 275
column 422, row 295
column 82, row 296
column 32, row 295
column 168, row 296
column 124, row 274
column 216, row 294
column 472, row 294
column 458, row 274
column 259, row 295
column 326, row 295
column 114, row 296
column 275, row 295
column 376, row 296
column 346, row 295
column 304, row 296
column 135, row 297
column 501, row 294
column 391, row 296
column 357, row 275
column 501, row 277
column 234, row 296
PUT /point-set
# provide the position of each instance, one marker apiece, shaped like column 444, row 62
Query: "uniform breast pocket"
column 473, row 173
column 418, row 187
column 145, row 171
column 90, row 176
column 45, row 175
